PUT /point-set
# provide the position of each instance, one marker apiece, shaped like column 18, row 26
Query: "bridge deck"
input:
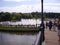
column 51, row 37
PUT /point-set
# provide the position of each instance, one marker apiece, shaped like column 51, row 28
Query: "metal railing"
column 40, row 38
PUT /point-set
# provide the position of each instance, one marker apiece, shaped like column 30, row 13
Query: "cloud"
column 16, row 0
column 52, row 7
column 48, row 7
column 52, row 4
column 22, row 8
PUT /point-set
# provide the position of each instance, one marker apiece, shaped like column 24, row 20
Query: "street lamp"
column 42, row 19
column 41, row 28
column 42, row 11
column 42, row 24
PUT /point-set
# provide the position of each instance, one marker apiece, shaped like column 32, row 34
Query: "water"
column 17, row 39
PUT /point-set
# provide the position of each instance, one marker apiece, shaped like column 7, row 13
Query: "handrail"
column 38, row 38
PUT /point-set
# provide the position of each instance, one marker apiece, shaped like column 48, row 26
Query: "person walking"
column 46, row 25
column 50, row 25
column 58, row 27
column 54, row 26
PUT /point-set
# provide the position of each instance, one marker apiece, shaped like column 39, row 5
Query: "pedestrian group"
column 52, row 25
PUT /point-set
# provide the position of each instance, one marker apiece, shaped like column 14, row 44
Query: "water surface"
column 17, row 38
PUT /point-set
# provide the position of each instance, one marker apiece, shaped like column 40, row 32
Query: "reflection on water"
column 17, row 38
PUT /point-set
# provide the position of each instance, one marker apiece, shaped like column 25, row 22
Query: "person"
column 58, row 27
column 54, row 26
column 50, row 25
column 46, row 25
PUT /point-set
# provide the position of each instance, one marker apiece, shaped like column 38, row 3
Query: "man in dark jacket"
column 50, row 25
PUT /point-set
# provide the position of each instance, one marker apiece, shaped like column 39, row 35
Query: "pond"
column 17, row 38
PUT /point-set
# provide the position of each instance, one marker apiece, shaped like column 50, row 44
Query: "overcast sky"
column 29, row 6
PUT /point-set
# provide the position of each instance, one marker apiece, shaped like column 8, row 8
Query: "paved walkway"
column 51, row 37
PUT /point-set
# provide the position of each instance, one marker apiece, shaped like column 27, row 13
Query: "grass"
column 18, row 28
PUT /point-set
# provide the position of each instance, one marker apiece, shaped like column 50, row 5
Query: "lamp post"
column 42, row 23
column 42, row 11
column 41, row 29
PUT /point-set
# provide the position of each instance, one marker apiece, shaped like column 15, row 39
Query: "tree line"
column 6, row 16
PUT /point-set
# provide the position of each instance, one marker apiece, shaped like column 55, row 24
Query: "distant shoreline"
column 19, row 29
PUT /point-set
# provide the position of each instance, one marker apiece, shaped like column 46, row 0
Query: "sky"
column 26, row 6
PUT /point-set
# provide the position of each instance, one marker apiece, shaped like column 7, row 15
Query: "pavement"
column 51, row 37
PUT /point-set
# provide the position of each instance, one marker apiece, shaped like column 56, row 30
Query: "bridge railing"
column 40, row 38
